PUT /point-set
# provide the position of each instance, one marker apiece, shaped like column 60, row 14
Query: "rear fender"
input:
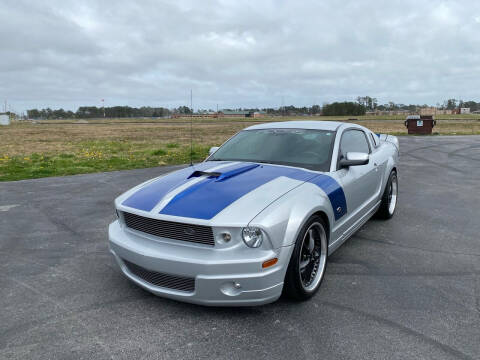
column 390, row 139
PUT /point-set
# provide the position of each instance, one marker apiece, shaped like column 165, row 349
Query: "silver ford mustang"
column 259, row 216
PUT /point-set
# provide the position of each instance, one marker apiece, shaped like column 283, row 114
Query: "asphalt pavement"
column 407, row 288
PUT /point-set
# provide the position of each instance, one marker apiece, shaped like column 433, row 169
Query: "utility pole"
column 191, row 127
column 5, row 106
column 103, row 107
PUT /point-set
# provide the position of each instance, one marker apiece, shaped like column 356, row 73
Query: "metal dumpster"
column 417, row 124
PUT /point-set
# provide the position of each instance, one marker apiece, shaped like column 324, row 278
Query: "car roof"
column 311, row 125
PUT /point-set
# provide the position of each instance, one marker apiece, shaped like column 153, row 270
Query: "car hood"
column 230, row 193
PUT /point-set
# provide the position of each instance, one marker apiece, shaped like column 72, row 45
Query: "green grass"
column 96, row 157
column 31, row 150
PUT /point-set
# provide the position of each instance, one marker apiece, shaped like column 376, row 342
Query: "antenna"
column 191, row 127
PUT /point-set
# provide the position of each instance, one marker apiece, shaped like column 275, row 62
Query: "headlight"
column 252, row 236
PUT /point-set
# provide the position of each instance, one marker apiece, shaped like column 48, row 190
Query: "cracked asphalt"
column 408, row 288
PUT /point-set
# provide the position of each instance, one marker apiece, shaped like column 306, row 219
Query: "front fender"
column 283, row 219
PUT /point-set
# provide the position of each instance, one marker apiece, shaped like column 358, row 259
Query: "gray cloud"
column 236, row 53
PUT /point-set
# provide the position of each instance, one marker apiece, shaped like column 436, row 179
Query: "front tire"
column 389, row 197
column 309, row 260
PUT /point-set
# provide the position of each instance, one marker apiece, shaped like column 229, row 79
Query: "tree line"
column 371, row 104
column 91, row 112
column 346, row 108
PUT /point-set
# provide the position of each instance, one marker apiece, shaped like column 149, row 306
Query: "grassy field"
column 66, row 147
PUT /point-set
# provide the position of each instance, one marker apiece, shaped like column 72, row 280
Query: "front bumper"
column 216, row 271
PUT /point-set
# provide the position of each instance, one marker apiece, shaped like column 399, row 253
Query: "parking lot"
column 404, row 288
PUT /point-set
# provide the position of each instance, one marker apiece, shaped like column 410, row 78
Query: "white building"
column 4, row 119
column 464, row 110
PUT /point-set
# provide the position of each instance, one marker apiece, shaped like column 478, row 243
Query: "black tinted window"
column 295, row 147
column 354, row 141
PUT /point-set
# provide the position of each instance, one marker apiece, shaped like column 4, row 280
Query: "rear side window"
column 353, row 141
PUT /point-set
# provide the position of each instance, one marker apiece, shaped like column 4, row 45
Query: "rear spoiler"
column 391, row 139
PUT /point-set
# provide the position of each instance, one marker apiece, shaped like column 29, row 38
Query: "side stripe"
column 334, row 192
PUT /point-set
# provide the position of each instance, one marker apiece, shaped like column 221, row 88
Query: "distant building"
column 389, row 112
column 428, row 111
column 4, row 119
column 444, row 112
column 464, row 110
column 435, row 111
column 233, row 113
column 259, row 114
column 223, row 114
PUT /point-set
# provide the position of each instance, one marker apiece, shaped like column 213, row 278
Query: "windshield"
column 310, row 149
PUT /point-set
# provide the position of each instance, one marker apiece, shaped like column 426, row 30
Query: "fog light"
column 231, row 288
column 226, row 237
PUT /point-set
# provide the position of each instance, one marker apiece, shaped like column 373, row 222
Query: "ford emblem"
column 189, row 231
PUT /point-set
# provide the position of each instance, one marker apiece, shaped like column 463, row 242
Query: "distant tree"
column 368, row 102
column 315, row 109
column 343, row 109
column 183, row 110
column 33, row 114
column 450, row 104
column 472, row 105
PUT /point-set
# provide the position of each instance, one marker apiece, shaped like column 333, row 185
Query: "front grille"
column 180, row 283
column 169, row 229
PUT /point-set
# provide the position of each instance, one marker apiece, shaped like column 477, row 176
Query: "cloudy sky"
column 236, row 53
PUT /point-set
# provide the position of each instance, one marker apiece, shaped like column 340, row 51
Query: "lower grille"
column 171, row 230
column 174, row 282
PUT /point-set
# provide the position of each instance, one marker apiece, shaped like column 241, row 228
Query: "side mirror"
column 212, row 150
column 354, row 159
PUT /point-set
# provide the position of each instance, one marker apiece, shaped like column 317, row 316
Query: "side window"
column 353, row 141
column 374, row 139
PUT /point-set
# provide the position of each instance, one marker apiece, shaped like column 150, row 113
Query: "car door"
column 379, row 160
column 360, row 183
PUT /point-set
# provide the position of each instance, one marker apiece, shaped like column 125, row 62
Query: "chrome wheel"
column 392, row 194
column 313, row 256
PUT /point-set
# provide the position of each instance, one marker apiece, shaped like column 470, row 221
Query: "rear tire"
column 389, row 198
column 308, row 261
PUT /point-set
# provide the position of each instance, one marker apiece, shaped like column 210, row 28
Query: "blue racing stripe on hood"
column 208, row 197
column 147, row 197
column 151, row 194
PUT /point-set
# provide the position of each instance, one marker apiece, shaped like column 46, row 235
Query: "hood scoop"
column 219, row 176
